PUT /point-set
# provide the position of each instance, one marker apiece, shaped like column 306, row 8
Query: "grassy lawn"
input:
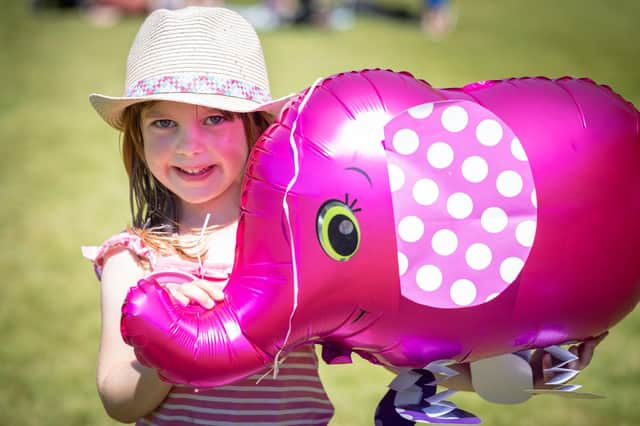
column 62, row 184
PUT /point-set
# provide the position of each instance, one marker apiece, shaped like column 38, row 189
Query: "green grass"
column 62, row 184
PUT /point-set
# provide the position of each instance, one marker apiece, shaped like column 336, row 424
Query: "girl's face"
column 194, row 151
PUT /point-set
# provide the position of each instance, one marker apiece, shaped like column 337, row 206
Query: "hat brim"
column 110, row 108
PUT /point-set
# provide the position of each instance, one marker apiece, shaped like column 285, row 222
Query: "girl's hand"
column 542, row 361
column 205, row 293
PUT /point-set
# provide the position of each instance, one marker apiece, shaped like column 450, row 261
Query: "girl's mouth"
column 197, row 173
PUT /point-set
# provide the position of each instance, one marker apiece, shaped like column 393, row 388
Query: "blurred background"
column 62, row 184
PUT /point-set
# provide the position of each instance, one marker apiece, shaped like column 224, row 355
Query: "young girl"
column 196, row 99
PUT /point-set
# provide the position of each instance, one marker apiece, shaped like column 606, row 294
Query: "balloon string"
column 285, row 206
column 200, row 264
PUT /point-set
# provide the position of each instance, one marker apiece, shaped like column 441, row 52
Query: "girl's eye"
column 164, row 124
column 214, row 119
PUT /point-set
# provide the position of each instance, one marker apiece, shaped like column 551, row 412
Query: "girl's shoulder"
column 216, row 266
column 122, row 241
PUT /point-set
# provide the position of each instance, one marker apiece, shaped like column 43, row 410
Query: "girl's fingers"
column 601, row 337
column 584, row 351
column 197, row 294
column 574, row 364
column 541, row 361
column 205, row 293
column 547, row 363
column 587, row 348
column 213, row 289
column 191, row 292
column 176, row 294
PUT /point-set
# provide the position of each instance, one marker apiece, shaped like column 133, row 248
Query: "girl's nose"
column 192, row 141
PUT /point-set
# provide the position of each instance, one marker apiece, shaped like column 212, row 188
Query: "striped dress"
column 295, row 397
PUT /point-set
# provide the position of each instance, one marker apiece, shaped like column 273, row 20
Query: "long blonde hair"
column 154, row 208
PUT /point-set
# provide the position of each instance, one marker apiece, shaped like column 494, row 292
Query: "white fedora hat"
column 205, row 56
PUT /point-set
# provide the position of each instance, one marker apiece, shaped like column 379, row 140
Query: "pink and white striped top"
column 295, row 397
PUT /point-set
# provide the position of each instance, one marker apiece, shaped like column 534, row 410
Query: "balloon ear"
column 464, row 202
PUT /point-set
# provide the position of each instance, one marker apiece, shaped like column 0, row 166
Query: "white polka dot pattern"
column 494, row 220
column 464, row 203
column 489, row 132
column 440, row 155
column 517, row 150
column 403, row 263
column 396, row 177
column 405, row 141
column 444, row 242
column 509, row 183
column 429, row 277
column 421, row 111
column 454, row 118
column 463, row 292
column 410, row 229
column 425, row 192
column 475, row 169
column 459, row 205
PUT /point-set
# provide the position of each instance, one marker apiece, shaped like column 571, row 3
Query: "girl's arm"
column 127, row 389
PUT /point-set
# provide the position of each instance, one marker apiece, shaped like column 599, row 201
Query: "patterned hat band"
column 207, row 84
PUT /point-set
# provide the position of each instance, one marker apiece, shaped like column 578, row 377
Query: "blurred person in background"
column 326, row 14
column 109, row 12
column 436, row 19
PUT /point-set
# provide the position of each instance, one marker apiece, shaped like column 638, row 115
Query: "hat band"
column 206, row 84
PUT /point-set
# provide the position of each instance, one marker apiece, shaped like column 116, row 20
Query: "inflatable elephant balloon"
column 411, row 225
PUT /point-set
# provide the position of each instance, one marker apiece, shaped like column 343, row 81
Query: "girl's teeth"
column 195, row 171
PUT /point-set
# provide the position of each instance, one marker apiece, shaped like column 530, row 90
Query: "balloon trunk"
column 202, row 342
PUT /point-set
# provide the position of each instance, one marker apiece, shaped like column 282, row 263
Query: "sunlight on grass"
column 63, row 184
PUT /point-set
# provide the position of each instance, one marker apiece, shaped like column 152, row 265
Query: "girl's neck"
column 222, row 212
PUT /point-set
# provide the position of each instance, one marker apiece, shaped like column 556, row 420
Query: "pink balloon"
column 411, row 224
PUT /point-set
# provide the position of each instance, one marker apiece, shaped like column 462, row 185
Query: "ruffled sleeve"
column 125, row 240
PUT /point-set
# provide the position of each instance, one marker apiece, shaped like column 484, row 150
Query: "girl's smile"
column 199, row 172
column 195, row 174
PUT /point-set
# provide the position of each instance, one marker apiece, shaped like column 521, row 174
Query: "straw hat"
column 205, row 56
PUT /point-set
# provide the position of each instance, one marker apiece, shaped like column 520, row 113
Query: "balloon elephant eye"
column 338, row 230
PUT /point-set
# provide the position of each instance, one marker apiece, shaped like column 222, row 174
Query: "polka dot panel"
column 464, row 203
